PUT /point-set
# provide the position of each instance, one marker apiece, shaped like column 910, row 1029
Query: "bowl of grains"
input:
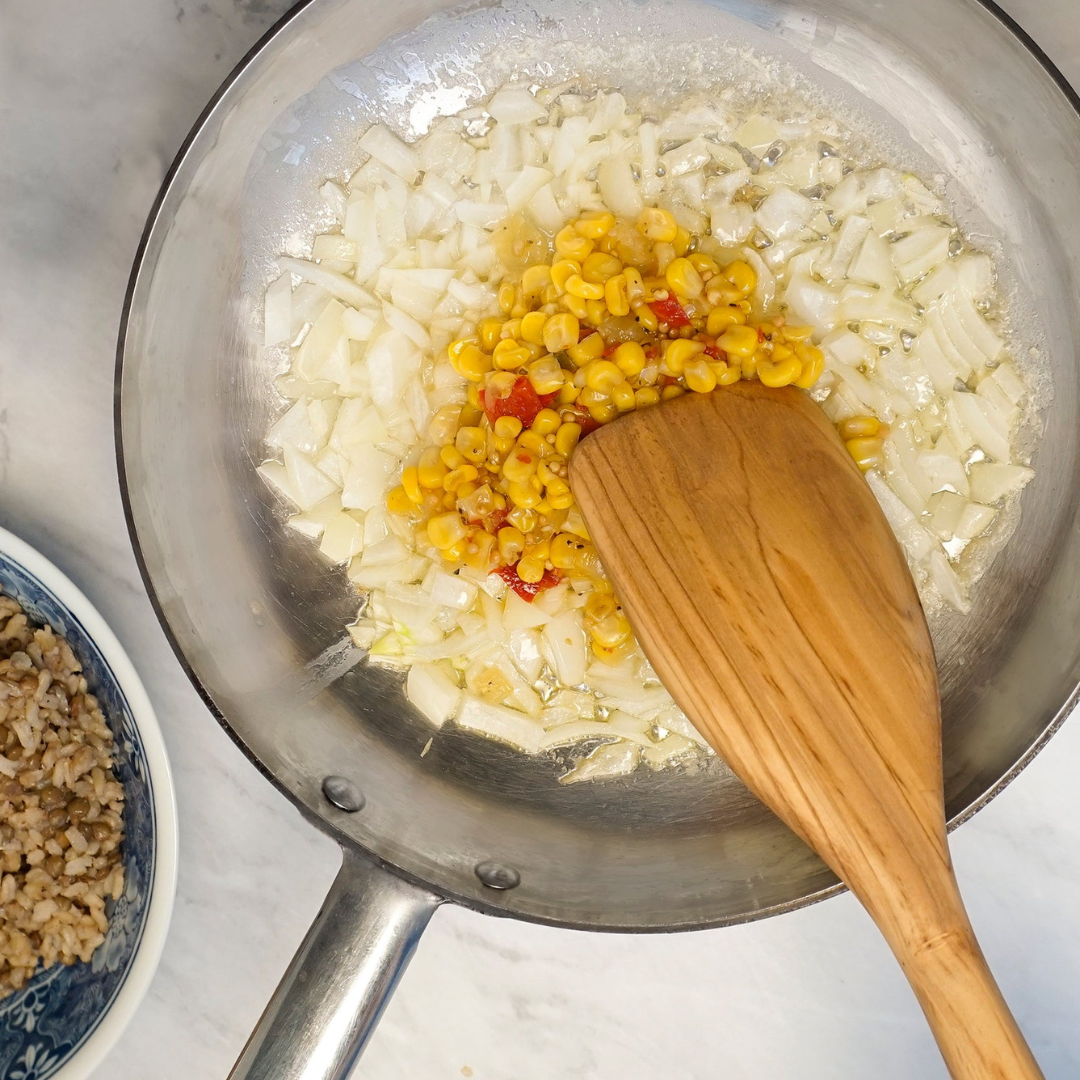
column 87, row 827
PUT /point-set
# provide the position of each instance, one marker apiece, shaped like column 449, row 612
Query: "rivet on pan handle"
column 330, row 999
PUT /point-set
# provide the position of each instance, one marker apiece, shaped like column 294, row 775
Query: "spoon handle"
column 975, row 1031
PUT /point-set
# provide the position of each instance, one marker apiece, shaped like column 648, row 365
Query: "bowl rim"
column 114, row 1021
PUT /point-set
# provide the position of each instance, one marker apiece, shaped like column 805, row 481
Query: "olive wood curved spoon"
column 767, row 589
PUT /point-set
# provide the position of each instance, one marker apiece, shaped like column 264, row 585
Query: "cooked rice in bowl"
column 61, row 807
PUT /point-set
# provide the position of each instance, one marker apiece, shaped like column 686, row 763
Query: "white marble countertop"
column 95, row 98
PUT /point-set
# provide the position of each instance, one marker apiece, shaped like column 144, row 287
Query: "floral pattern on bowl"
column 45, row 1025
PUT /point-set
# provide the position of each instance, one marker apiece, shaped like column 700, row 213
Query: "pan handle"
column 330, row 999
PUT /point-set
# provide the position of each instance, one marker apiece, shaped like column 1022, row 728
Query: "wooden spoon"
column 768, row 591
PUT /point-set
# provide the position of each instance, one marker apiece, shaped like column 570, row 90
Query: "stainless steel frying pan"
column 256, row 617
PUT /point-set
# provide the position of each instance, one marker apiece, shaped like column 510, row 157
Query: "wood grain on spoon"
column 769, row 593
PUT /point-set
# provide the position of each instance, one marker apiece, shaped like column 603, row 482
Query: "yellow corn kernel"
column 398, row 502
column 594, row 224
column 622, row 394
column 510, row 329
column 471, row 443
column 646, row 396
column 576, row 285
column 726, row 374
column 629, row 358
column 720, row 318
column 466, row 489
column 546, row 375
column 449, row 500
column 798, row 333
column 456, row 552
column 866, row 452
column 488, row 330
column 702, row 263
column 482, row 551
column 670, row 392
column 575, row 305
column 741, row 276
column 859, row 427
column 511, row 544
column 540, row 550
column 507, row 427
column 470, row 415
column 429, row 469
column 472, row 363
column 598, row 267
column 451, row 457
column 683, row 278
column 473, row 392
column 611, row 632
column 596, row 311
column 616, row 295
column 561, row 272
column 749, row 366
column 780, row 351
column 635, row 286
column 646, row 316
column 568, row 394
column 454, row 349
column 509, row 355
column 566, row 438
column 544, row 473
column 813, row 364
column 589, row 397
column 740, row 341
column 602, row 375
column 599, row 606
column 535, row 279
column 699, row 376
column 445, row 530
column 463, row 474
column 547, row 422
column 530, row 570
column 411, row 483
column 781, row 373
column 680, row 352
column 519, row 466
column 564, row 551
column 587, row 349
column 559, row 495
column 603, row 412
column 532, row 327
column 657, row 225
column 534, row 443
column 506, row 297
column 523, row 495
column 525, row 520
column 681, row 243
column 571, row 245
column 500, row 448
column 560, row 332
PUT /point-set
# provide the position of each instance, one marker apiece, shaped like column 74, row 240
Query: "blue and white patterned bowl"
column 64, row 1021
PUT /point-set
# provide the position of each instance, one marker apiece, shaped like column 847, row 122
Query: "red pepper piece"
column 670, row 311
column 668, row 380
column 527, row 590
column 522, row 402
column 714, row 353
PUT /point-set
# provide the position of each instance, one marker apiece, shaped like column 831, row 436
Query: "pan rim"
column 325, row 825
